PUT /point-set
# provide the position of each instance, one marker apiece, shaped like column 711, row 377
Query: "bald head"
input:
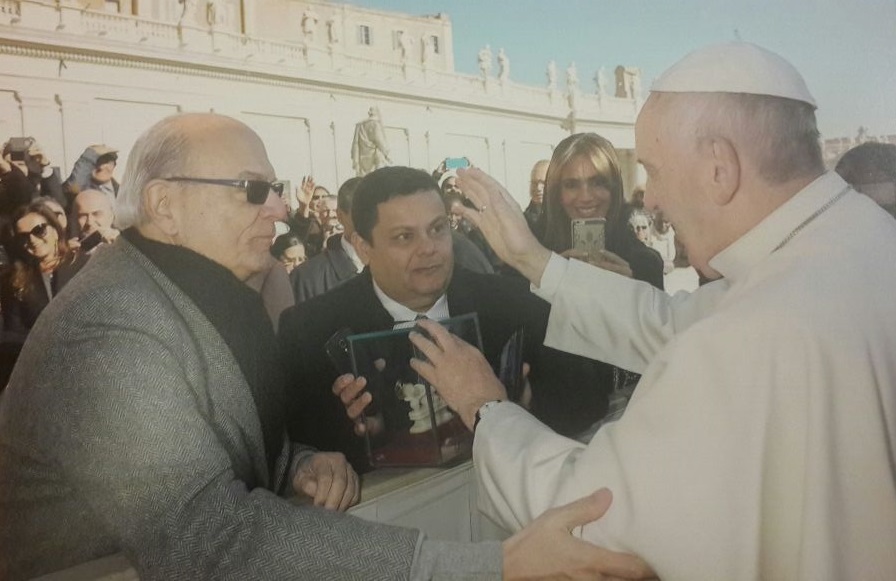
column 172, row 147
column 204, row 182
column 93, row 210
column 537, row 180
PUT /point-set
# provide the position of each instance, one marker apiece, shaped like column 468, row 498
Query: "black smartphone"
column 510, row 371
column 91, row 241
column 337, row 350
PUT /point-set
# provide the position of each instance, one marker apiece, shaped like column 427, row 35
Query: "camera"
column 18, row 147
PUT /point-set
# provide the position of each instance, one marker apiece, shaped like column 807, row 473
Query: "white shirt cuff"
column 551, row 277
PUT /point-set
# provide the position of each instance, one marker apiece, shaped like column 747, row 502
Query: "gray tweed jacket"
column 128, row 426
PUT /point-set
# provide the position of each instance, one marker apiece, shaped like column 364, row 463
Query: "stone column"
column 79, row 129
column 41, row 120
column 247, row 9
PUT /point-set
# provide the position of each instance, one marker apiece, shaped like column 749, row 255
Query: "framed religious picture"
column 408, row 424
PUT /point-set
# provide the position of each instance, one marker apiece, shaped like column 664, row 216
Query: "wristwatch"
column 483, row 409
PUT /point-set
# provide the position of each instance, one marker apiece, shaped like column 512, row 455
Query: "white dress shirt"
column 405, row 317
column 351, row 253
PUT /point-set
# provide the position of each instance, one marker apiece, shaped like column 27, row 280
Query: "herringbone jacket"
column 128, row 426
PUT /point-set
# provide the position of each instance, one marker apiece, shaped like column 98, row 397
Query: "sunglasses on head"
column 39, row 231
column 256, row 190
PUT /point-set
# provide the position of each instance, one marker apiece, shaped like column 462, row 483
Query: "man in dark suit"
column 404, row 237
column 339, row 261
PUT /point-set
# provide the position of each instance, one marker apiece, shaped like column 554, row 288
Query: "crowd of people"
column 48, row 229
column 181, row 386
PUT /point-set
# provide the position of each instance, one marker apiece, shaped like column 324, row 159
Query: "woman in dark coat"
column 584, row 181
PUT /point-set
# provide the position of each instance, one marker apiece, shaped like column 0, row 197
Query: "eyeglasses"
column 256, row 190
column 40, row 231
column 639, row 227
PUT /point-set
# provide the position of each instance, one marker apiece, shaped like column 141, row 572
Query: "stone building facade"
column 301, row 73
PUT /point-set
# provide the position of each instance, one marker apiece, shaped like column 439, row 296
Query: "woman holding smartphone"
column 584, row 182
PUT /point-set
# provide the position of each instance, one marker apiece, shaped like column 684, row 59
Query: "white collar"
column 352, row 253
column 402, row 314
column 757, row 244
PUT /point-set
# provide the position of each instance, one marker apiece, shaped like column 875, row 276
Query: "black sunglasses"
column 256, row 190
column 40, row 231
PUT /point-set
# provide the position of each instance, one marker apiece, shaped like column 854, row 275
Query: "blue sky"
column 846, row 49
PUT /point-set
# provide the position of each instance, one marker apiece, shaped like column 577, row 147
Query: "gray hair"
column 780, row 135
column 159, row 152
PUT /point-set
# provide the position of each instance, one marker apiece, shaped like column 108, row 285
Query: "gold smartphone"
column 589, row 235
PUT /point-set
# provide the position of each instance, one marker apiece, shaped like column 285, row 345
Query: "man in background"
column 870, row 168
column 94, row 214
column 662, row 239
column 94, row 169
column 536, row 191
column 338, row 262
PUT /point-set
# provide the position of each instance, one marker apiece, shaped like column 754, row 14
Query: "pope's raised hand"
column 501, row 220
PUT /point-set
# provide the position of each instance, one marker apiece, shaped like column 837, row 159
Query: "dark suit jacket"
column 569, row 392
column 322, row 272
column 19, row 314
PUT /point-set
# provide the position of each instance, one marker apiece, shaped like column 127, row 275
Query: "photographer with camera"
column 94, row 170
column 26, row 173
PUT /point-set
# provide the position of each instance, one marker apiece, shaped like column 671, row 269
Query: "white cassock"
column 760, row 441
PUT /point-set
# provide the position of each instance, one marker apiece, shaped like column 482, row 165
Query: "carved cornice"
column 235, row 68
column 144, row 63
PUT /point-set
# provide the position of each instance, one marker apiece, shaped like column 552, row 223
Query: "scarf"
column 238, row 315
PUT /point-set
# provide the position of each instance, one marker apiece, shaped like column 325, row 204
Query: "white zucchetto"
column 735, row 67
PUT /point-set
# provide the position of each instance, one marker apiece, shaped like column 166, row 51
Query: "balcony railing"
column 139, row 36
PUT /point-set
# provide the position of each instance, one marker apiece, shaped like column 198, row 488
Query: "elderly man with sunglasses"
column 145, row 417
